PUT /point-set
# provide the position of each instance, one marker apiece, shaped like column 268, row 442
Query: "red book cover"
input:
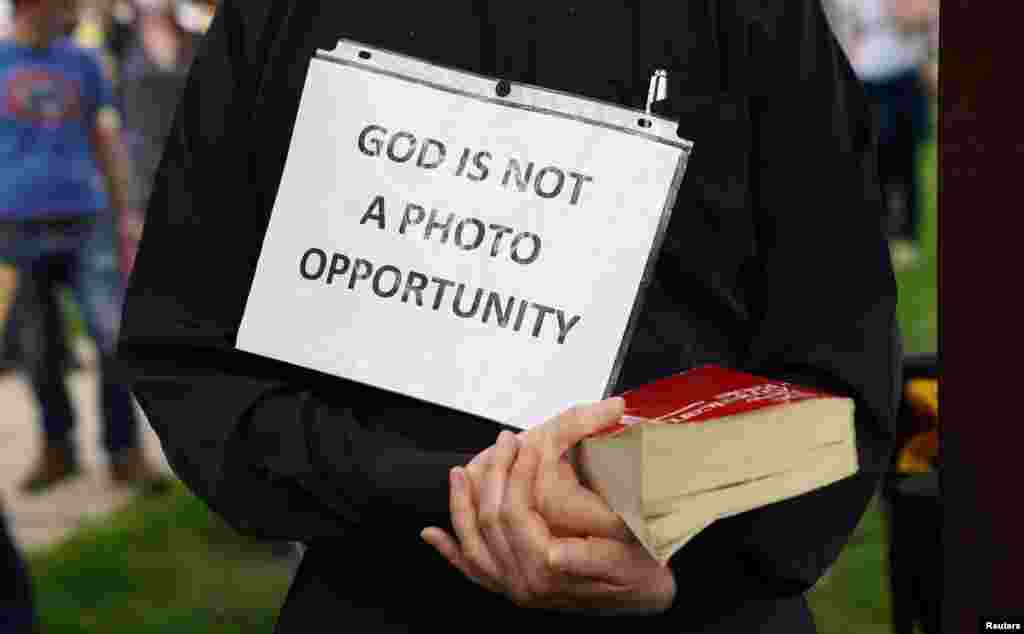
column 706, row 393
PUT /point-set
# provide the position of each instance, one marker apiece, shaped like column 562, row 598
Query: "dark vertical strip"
column 719, row 42
column 980, row 149
column 488, row 37
column 533, row 29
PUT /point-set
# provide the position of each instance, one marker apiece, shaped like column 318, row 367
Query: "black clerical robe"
column 774, row 263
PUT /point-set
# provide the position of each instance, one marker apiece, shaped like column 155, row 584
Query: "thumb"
column 580, row 421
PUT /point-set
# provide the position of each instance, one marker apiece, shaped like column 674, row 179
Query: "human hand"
column 568, row 507
column 131, row 224
column 505, row 546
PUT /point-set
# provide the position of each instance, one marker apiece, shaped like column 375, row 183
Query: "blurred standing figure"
column 153, row 70
column 59, row 144
column 890, row 45
column 161, row 40
column 29, row 314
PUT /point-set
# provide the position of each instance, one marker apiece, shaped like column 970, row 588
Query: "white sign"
column 460, row 240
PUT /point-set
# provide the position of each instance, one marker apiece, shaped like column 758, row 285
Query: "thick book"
column 713, row 442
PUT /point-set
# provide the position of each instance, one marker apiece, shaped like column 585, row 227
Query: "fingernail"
column 453, row 476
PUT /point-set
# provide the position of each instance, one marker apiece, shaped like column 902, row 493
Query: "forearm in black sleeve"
column 277, row 457
column 823, row 300
column 284, row 459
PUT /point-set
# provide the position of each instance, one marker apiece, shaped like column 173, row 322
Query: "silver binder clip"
column 658, row 87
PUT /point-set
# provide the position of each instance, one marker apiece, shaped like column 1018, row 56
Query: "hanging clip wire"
column 658, row 87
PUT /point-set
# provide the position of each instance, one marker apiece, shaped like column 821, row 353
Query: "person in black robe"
column 774, row 263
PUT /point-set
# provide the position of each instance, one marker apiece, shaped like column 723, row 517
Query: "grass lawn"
column 169, row 565
column 918, row 287
column 160, row 566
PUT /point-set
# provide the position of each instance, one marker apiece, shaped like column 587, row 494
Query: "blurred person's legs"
column 42, row 341
column 23, row 313
column 8, row 343
column 96, row 280
column 35, row 335
column 909, row 115
column 903, row 121
column 80, row 253
column 17, row 612
column 9, row 360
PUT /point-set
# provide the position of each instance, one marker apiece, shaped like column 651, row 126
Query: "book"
column 712, row 442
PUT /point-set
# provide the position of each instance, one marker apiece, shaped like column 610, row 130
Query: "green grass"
column 162, row 565
column 169, row 565
column 918, row 287
column 853, row 597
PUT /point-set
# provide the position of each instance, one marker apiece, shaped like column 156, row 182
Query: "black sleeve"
column 822, row 297
column 277, row 451
column 284, row 458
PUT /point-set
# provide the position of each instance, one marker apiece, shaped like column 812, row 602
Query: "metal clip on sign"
column 657, row 88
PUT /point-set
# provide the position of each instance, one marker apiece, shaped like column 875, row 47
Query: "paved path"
column 41, row 520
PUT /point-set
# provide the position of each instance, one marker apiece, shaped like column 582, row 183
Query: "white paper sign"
column 437, row 238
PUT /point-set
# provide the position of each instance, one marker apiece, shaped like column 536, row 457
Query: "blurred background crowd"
column 893, row 47
column 87, row 92
column 143, row 49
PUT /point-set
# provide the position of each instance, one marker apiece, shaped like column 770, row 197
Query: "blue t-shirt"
column 49, row 100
